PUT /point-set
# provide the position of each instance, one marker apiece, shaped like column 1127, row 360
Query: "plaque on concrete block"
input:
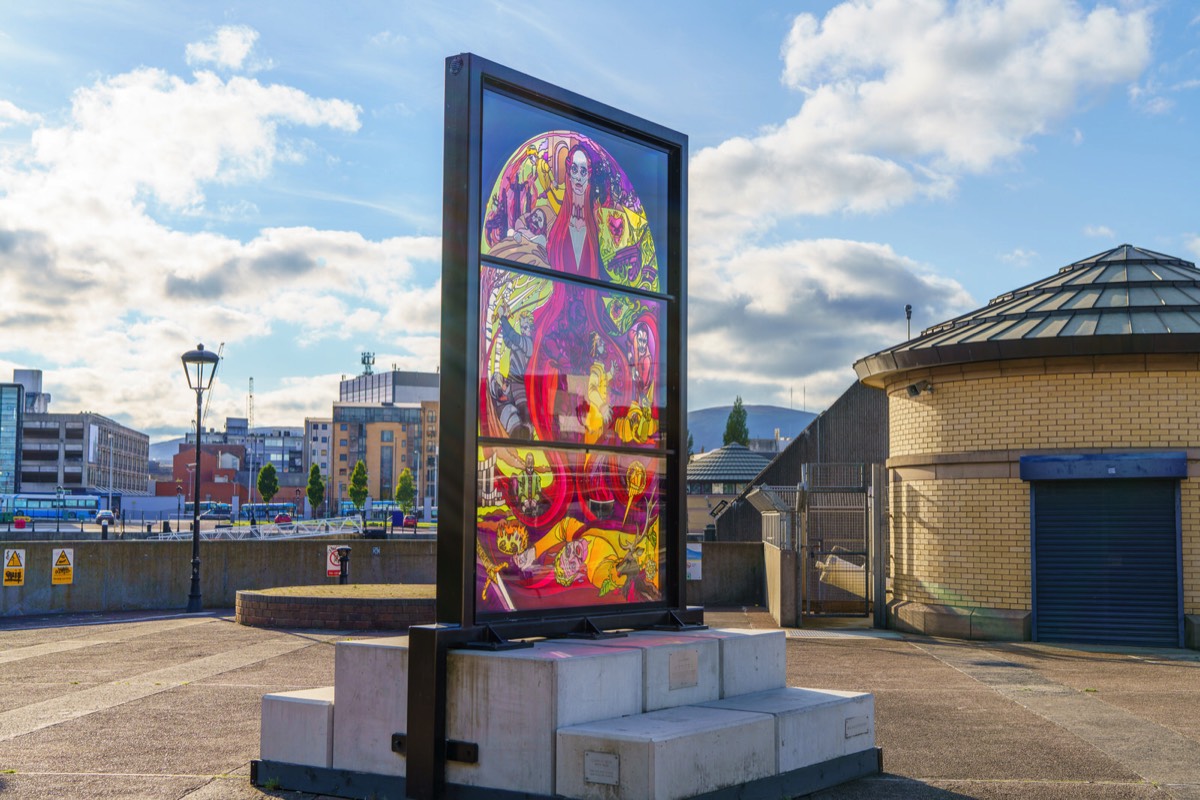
column 602, row 768
column 683, row 669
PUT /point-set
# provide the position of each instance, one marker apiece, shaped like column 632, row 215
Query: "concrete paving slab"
column 953, row 719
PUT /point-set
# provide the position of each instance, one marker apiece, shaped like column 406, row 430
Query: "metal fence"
column 291, row 530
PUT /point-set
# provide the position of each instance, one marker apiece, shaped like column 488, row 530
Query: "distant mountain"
column 707, row 425
column 164, row 451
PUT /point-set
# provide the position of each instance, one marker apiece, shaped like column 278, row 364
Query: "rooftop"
column 733, row 462
column 1121, row 301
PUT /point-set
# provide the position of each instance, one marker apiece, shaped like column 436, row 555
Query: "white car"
column 104, row 515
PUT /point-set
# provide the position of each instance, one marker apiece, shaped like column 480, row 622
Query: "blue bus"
column 81, row 507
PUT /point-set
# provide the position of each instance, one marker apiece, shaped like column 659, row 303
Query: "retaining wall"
column 142, row 575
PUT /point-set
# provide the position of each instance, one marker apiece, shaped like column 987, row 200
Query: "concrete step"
column 668, row 754
column 371, row 676
column 297, row 727
column 811, row 725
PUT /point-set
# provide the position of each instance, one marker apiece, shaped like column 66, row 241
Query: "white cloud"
column 940, row 91
column 1099, row 231
column 11, row 115
column 228, row 48
column 104, row 296
column 1019, row 256
column 774, row 317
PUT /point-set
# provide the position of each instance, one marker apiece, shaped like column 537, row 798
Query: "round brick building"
column 1044, row 456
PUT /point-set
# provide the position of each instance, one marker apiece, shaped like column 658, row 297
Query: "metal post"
column 344, row 558
column 195, row 601
column 879, row 544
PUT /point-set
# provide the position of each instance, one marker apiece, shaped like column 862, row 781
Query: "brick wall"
column 960, row 527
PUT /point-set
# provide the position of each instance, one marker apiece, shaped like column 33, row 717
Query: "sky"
column 265, row 177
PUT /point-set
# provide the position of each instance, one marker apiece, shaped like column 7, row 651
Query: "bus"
column 380, row 509
column 265, row 512
column 210, row 509
column 81, row 507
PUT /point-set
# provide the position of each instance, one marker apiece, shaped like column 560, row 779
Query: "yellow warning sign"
column 63, row 571
column 14, row 567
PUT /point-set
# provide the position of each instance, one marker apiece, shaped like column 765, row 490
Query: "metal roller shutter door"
column 1106, row 562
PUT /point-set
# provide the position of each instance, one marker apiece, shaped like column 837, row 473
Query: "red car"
column 282, row 519
column 410, row 521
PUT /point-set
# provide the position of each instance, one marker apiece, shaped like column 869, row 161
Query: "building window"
column 387, row 436
column 344, row 443
column 341, row 457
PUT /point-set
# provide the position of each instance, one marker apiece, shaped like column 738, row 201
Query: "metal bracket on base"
column 590, row 630
column 462, row 752
column 489, row 639
column 676, row 623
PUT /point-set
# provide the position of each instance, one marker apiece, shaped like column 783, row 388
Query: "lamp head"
column 200, row 366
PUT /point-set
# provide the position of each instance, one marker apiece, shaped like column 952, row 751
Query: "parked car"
column 283, row 519
column 219, row 516
column 104, row 515
column 410, row 521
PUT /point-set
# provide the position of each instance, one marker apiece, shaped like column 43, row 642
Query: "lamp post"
column 299, row 510
column 178, row 505
column 58, row 492
column 200, row 366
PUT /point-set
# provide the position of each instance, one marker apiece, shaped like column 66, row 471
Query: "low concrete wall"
column 732, row 575
column 142, row 575
column 782, row 584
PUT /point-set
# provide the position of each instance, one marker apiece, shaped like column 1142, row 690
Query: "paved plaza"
column 167, row 706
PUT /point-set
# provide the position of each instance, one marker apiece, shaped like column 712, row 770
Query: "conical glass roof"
column 1122, row 301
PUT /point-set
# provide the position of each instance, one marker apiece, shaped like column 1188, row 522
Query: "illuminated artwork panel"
column 562, row 196
column 559, row 529
column 568, row 363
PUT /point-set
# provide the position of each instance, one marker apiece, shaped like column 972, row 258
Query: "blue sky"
column 268, row 175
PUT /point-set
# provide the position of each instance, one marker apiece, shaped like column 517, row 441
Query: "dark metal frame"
column 458, row 623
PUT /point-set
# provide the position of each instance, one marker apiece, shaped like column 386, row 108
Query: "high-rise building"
column 84, row 453
column 389, row 421
column 12, row 407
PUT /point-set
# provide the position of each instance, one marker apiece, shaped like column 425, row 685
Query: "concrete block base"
column 677, row 669
column 297, row 727
column 372, row 704
column 636, row 716
column 664, row 755
column 750, row 660
column 958, row 622
column 811, row 725
column 1191, row 631
column 511, row 702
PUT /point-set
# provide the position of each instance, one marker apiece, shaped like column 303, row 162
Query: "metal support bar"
column 490, row 639
column 462, row 752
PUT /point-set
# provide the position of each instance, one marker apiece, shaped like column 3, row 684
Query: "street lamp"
column 178, row 505
column 299, row 511
column 58, row 492
column 200, row 366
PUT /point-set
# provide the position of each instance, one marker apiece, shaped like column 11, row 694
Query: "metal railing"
column 335, row 526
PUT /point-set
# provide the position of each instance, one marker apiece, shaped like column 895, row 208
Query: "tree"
column 316, row 487
column 736, row 431
column 358, row 485
column 691, row 446
column 406, row 490
column 268, row 482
